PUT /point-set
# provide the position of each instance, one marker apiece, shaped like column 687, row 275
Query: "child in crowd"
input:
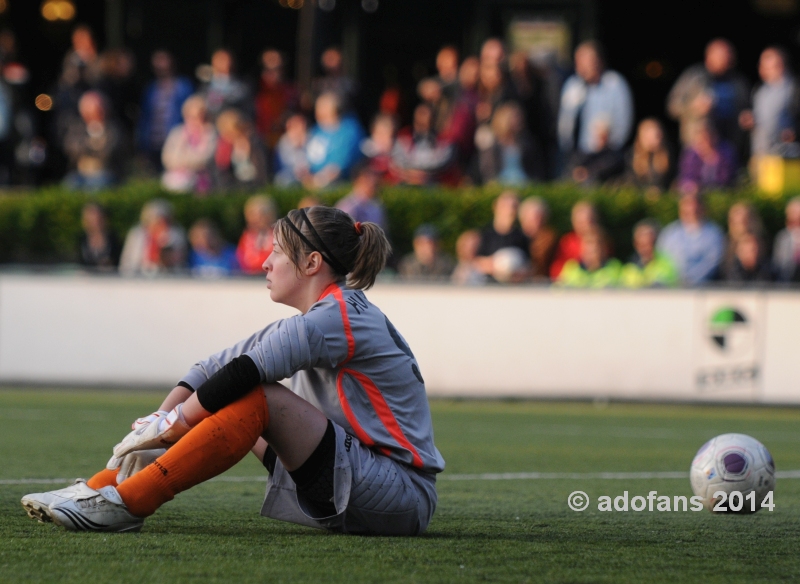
column 210, row 256
column 255, row 244
column 291, row 160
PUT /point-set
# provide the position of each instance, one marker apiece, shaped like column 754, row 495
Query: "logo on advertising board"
column 729, row 350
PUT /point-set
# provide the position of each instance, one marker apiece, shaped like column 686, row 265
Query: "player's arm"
column 178, row 395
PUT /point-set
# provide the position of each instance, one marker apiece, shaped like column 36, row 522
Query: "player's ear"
column 313, row 263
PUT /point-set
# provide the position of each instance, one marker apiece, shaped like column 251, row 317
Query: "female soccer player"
column 349, row 448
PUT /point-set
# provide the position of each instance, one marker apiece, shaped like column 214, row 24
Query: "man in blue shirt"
column 695, row 245
column 333, row 146
column 593, row 94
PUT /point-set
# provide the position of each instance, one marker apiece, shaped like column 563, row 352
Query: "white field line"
column 505, row 476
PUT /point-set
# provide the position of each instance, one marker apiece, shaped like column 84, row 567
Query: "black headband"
column 324, row 252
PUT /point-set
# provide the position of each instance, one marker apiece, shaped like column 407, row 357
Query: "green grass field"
column 484, row 530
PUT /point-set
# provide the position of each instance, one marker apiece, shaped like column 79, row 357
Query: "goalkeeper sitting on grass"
column 349, row 448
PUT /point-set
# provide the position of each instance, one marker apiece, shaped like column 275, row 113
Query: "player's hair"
column 355, row 251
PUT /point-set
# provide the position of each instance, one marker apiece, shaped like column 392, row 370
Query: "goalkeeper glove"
column 133, row 462
column 161, row 434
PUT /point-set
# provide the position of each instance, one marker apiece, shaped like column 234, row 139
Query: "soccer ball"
column 733, row 463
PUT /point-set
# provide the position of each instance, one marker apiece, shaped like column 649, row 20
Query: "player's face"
column 283, row 279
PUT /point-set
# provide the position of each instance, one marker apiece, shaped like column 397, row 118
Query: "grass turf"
column 495, row 531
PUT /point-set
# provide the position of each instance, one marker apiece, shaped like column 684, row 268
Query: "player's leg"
column 210, row 448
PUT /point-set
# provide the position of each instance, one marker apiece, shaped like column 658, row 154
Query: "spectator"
column 117, row 83
column 771, row 121
column 493, row 90
column 427, row 262
column 447, row 67
column 360, row 204
column 240, row 160
column 493, row 52
column 460, row 128
column 188, row 150
column 291, row 157
column 94, row 146
column 786, row 251
column 468, row 76
column 335, row 81
column 378, row 147
column 465, row 272
column 650, row 165
column 161, row 106
column 712, row 91
column 742, row 219
column 309, row 201
column 591, row 94
column 694, row 244
column 493, row 258
column 584, row 220
column 600, row 166
column 750, row 263
column 99, row 246
column 533, row 216
column 594, row 269
column 255, row 244
column 528, row 86
column 430, row 92
column 333, row 144
column 506, row 153
column 276, row 98
column 648, row 267
column 419, row 157
column 156, row 245
column 80, row 72
column 210, row 256
column 224, row 90
column 707, row 162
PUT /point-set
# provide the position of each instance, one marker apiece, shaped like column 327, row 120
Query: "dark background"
column 397, row 43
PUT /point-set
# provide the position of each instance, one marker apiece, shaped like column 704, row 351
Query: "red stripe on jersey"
column 348, row 413
column 384, row 413
column 348, row 331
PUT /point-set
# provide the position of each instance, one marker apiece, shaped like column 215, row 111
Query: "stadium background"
column 502, row 512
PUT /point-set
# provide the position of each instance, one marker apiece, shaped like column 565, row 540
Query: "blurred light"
column 3, row 6
column 296, row 4
column 369, row 5
column 654, row 69
column 54, row 10
column 327, row 5
column 283, row 3
column 44, row 102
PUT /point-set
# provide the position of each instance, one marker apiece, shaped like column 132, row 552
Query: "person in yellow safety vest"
column 647, row 267
column 594, row 270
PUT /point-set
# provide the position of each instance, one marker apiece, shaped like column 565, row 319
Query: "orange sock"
column 105, row 478
column 209, row 449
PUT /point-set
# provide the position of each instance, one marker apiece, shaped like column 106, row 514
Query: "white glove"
column 162, row 433
column 133, row 462
column 147, row 420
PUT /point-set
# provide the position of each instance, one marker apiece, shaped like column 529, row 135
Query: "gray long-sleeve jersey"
column 346, row 358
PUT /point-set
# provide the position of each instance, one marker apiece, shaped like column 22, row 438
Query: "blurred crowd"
column 518, row 246
column 496, row 117
column 492, row 118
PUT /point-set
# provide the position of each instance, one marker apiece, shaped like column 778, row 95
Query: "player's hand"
column 133, row 462
column 162, row 433
column 147, row 420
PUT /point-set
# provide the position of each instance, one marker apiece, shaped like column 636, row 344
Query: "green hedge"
column 43, row 226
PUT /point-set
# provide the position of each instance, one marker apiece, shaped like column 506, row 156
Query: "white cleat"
column 101, row 510
column 37, row 505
